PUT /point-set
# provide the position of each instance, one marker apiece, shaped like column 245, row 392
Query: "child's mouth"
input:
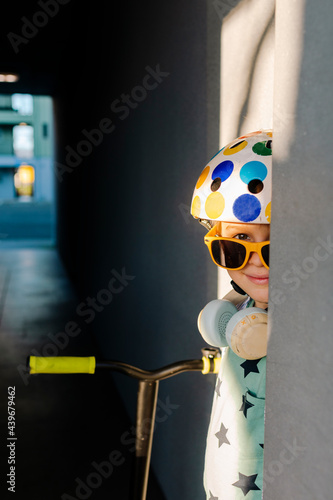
column 258, row 280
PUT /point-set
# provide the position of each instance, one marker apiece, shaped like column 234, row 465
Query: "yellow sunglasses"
column 233, row 254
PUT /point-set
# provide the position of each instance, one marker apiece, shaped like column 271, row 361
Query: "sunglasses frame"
column 250, row 247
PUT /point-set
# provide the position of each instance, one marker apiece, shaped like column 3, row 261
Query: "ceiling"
column 48, row 42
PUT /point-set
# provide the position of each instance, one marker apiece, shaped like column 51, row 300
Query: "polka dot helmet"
column 235, row 186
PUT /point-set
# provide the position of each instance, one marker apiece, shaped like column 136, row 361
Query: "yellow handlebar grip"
column 217, row 364
column 207, row 365
column 62, row 364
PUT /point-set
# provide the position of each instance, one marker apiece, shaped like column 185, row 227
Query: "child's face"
column 253, row 278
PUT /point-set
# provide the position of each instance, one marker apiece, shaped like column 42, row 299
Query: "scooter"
column 148, row 384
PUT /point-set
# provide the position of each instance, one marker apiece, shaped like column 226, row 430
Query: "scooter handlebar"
column 70, row 364
column 62, row 364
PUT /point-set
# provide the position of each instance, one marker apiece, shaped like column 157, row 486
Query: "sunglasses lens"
column 228, row 253
column 265, row 254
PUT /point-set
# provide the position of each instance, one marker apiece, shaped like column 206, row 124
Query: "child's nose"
column 255, row 259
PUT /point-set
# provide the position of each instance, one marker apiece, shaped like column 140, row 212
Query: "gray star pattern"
column 246, row 405
column 218, row 386
column 246, row 483
column 222, row 435
column 250, row 365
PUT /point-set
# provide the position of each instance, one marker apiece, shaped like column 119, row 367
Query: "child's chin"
column 260, row 297
column 258, row 293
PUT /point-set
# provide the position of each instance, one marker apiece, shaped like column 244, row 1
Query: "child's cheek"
column 240, row 280
column 235, row 275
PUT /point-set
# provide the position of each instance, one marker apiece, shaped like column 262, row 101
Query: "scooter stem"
column 146, row 410
column 148, row 381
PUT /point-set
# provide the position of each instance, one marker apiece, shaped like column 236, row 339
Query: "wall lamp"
column 9, row 77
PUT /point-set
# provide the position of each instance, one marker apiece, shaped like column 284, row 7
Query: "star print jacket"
column 235, row 441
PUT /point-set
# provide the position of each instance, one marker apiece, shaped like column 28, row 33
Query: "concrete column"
column 299, row 422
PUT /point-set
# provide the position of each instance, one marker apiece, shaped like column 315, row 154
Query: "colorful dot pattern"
column 214, row 205
column 224, row 190
column 223, row 170
column 253, row 170
column 246, row 208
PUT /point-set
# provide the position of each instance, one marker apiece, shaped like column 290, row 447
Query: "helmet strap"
column 237, row 288
column 206, row 223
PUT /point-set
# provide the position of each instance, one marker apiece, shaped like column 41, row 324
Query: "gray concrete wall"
column 299, row 424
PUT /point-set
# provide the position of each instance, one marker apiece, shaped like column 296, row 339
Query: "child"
column 233, row 198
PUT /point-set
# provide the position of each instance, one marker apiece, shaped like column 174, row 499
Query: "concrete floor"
column 66, row 425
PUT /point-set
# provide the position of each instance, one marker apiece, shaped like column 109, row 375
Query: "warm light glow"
column 24, row 181
column 12, row 78
column 26, row 174
column 17, row 182
column 9, row 77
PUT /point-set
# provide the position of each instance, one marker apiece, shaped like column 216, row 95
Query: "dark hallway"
column 53, row 417
column 67, row 425
column 133, row 127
